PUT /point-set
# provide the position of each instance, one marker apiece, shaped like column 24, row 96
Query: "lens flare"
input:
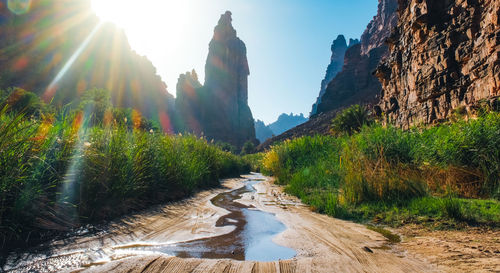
column 51, row 89
column 19, row 7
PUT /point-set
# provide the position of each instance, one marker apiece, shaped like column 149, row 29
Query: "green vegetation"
column 394, row 176
column 393, row 238
column 351, row 120
column 71, row 167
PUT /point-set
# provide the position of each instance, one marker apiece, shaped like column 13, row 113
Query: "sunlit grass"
column 65, row 169
column 394, row 176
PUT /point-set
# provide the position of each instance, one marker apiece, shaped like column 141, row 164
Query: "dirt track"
column 323, row 244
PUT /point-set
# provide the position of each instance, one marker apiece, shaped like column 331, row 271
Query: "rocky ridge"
column 356, row 84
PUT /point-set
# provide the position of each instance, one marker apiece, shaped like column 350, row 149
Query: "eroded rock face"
column 443, row 55
column 380, row 27
column 219, row 109
column 356, row 84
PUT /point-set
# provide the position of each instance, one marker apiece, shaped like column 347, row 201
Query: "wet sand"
column 322, row 243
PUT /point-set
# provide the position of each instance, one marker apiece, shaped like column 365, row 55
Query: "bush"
column 351, row 120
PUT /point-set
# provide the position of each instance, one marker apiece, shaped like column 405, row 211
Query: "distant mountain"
column 219, row 108
column 58, row 49
column 262, row 131
column 284, row 123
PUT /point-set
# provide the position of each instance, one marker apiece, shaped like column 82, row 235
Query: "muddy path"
column 249, row 225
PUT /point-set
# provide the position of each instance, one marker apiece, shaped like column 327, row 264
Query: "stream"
column 250, row 240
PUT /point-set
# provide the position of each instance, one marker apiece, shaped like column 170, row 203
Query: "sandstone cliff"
column 224, row 114
column 39, row 52
column 356, row 84
column 444, row 55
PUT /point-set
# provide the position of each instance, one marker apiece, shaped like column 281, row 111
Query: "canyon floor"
column 322, row 243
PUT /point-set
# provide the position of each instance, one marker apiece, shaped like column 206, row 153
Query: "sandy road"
column 323, row 244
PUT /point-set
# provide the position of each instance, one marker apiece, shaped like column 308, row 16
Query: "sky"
column 288, row 41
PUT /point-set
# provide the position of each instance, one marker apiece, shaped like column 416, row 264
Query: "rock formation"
column 339, row 47
column 286, row 122
column 39, row 52
column 356, row 84
column 188, row 104
column 262, row 131
column 443, row 55
column 224, row 114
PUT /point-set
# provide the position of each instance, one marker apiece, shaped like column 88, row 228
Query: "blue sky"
column 288, row 42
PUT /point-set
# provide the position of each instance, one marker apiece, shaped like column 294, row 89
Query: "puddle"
column 250, row 240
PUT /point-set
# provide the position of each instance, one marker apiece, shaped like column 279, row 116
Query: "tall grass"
column 60, row 171
column 391, row 167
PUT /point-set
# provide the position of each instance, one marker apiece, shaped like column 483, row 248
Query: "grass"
column 63, row 169
column 393, row 238
column 448, row 173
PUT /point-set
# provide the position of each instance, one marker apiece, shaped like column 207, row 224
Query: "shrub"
column 351, row 120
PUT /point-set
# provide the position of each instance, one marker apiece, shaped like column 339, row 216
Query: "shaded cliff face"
column 38, row 45
column 356, row 84
column 444, row 55
column 339, row 48
column 187, row 104
column 222, row 102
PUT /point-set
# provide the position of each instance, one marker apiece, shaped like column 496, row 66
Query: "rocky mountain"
column 356, row 84
column 262, row 131
column 58, row 49
column 222, row 102
column 339, row 47
column 444, row 55
column 284, row 123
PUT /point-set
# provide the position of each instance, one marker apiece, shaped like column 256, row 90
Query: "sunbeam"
column 52, row 88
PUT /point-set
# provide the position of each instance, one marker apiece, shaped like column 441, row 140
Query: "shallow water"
column 250, row 240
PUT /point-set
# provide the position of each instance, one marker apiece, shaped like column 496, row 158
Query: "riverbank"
column 322, row 243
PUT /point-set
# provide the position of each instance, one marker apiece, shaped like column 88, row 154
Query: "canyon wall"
column 356, row 84
column 444, row 55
